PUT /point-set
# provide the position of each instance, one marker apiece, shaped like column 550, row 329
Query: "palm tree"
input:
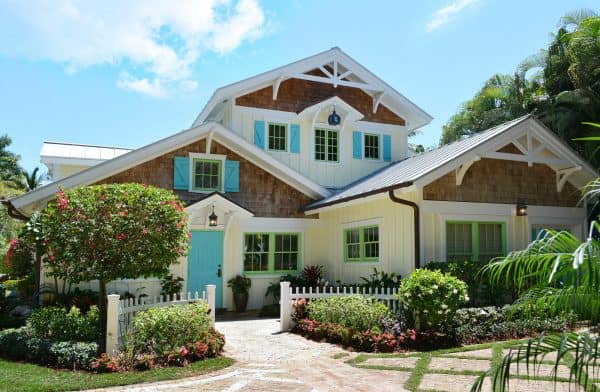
column 33, row 180
column 561, row 273
column 10, row 171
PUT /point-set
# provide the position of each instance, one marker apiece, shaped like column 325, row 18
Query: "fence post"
column 211, row 299
column 112, row 324
column 285, row 307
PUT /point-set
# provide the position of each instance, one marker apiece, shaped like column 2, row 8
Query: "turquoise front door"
column 205, row 263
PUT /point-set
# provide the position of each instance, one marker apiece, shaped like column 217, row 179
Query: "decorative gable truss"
column 533, row 148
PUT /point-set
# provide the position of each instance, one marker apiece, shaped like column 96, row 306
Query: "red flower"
column 145, row 231
column 121, row 236
column 62, row 201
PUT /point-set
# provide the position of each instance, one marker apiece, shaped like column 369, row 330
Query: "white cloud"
column 157, row 40
column 444, row 15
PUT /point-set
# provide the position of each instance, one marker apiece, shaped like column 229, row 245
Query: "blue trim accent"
column 295, row 138
column 357, row 145
column 259, row 134
column 387, row 148
column 232, row 176
column 181, row 173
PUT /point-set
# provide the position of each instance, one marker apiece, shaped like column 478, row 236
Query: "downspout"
column 13, row 212
column 417, row 234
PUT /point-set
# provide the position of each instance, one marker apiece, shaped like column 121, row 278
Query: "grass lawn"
column 422, row 366
column 27, row 377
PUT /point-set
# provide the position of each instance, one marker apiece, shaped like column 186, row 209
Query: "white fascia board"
column 340, row 103
column 52, row 160
column 266, row 162
column 163, row 146
column 392, row 98
column 114, row 166
column 220, row 201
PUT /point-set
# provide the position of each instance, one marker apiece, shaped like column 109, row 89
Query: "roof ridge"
column 86, row 145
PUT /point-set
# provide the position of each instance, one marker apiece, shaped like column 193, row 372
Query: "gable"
column 498, row 181
column 295, row 95
column 259, row 191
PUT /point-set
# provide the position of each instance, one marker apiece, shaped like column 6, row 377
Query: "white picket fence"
column 120, row 312
column 388, row 296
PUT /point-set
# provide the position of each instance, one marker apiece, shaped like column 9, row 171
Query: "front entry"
column 205, row 262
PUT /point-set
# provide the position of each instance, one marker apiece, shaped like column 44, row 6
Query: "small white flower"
column 466, row 298
column 444, row 306
column 455, row 291
column 425, row 311
column 435, row 286
column 440, row 312
column 430, row 291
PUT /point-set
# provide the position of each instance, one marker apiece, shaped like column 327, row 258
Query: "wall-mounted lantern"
column 521, row 208
column 334, row 118
column 212, row 218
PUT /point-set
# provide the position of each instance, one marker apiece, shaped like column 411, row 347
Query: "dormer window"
column 277, row 137
column 372, row 146
column 327, row 146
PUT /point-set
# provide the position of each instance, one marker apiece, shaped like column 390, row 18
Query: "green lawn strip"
column 26, row 377
column 412, row 384
column 340, row 355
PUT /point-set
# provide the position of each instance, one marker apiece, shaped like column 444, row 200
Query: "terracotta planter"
column 241, row 301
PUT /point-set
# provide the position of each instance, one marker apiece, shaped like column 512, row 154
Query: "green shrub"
column 8, row 321
column 477, row 325
column 161, row 331
column 481, row 292
column 353, row 311
column 58, row 324
column 21, row 345
column 432, row 297
column 380, row 280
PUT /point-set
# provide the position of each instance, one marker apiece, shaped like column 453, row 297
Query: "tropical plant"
column 114, row 231
column 239, row 284
column 10, row 171
column 171, row 285
column 560, row 273
column 32, row 180
column 354, row 311
column 380, row 280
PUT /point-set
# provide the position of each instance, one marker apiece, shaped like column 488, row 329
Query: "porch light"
column 334, row 118
column 212, row 218
column 521, row 208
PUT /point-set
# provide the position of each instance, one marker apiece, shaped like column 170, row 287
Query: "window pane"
column 490, row 241
column 278, row 137
column 372, row 146
column 286, row 252
column 206, row 174
column 326, row 145
column 371, row 239
column 459, row 242
column 256, row 252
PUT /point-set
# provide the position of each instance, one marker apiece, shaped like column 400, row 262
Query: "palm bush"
column 559, row 272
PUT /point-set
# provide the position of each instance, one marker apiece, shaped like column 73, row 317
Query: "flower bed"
column 367, row 341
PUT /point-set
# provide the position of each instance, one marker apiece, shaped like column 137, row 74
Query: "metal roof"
column 404, row 172
column 80, row 151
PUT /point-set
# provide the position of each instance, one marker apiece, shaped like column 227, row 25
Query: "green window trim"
column 217, row 175
column 475, row 239
column 372, row 146
column 327, row 145
column 277, row 137
column 361, row 238
column 272, row 252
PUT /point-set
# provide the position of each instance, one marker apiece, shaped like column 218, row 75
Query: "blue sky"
column 125, row 75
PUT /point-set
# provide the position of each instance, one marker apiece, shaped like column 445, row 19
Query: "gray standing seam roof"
column 413, row 168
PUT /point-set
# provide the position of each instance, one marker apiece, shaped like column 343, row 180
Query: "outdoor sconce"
column 212, row 218
column 521, row 208
column 334, row 118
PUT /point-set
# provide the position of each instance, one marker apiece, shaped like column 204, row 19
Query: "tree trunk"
column 102, row 309
column 37, row 271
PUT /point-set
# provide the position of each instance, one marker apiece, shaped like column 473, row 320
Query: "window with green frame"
column 476, row 241
column 271, row 252
column 206, row 175
column 277, row 137
column 371, row 146
column 361, row 244
column 327, row 147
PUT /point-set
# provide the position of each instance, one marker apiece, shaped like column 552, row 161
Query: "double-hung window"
column 361, row 244
column 327, row 147
column 277, row 137
column 206, row 174
column 271, row 252
column 476, row 241
column 372, row 150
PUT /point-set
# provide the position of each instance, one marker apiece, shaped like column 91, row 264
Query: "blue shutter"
column 232, row 176
column 181, row 173
column 295, row 138
column 387, row 148
column 357, row 145
column 259, row 134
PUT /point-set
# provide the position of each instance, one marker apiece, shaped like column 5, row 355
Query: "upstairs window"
column 277, row 137
column 271, row 252
column 475, row 241
column 372, row 146
column 362, row 244
column 206, row 175
column 327, row 145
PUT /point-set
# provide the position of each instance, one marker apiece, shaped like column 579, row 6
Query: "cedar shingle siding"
column 498, row 181
column 295, row 95
column 260, row 192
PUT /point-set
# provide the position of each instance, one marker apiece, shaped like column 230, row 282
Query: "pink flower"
column 145, row 231
column 61, row 200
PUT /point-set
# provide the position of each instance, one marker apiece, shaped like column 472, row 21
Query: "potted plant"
column 240, row 286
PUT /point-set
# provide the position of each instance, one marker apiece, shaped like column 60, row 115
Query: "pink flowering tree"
column 115, row 231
